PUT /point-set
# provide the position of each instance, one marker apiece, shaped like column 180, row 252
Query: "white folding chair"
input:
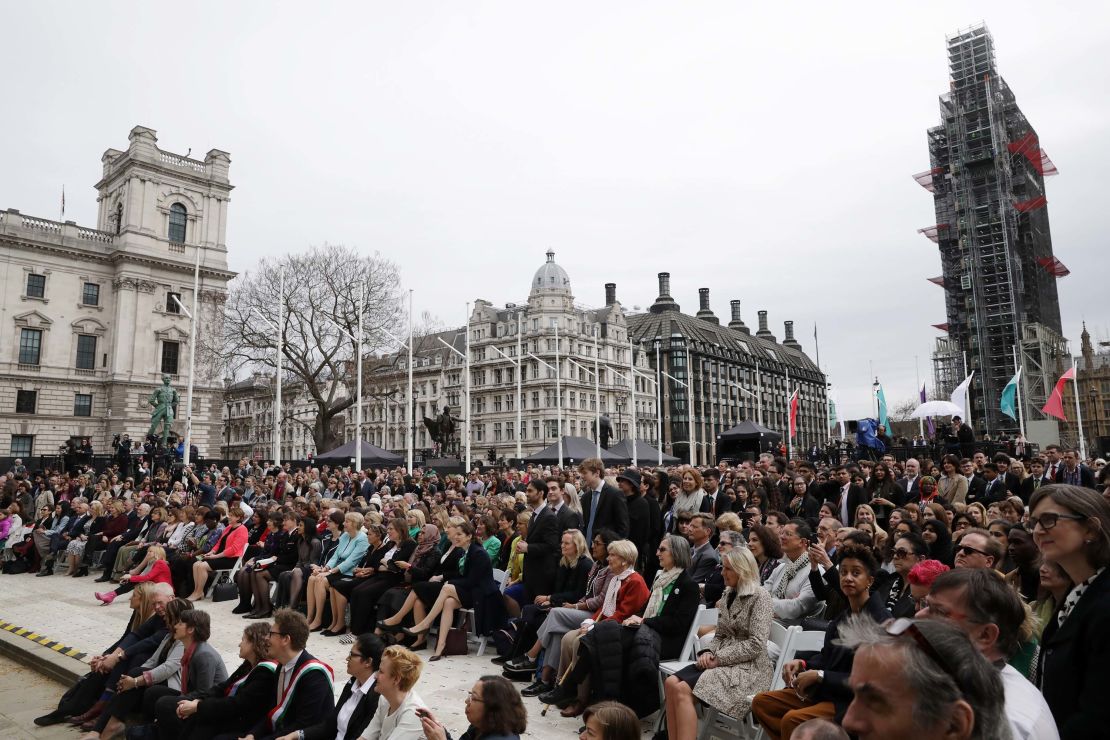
column 688, row 655
column 718, row 724
column 502, row 578
column 225, row 575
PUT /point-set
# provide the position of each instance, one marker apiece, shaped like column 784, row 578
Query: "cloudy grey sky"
column 762, row 150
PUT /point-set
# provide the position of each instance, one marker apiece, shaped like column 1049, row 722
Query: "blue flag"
column 883, row 422
column 1009, row 397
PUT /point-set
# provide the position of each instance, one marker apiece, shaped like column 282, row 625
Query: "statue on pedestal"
column 442, row 429
column 164, row 400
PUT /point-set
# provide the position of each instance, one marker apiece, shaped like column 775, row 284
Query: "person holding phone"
column 493, row 709
column 792, row 598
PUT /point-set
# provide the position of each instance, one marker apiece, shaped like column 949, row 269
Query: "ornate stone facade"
column 88, row 323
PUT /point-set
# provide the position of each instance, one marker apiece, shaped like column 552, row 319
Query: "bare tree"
column 902, row 410
column 322, row 286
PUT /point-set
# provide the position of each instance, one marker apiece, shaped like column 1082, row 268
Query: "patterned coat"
column 740, row 644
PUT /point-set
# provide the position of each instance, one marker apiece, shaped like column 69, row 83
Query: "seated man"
column 792, row 596
column 990, row 613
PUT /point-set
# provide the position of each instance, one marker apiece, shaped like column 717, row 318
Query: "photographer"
column 122, row 446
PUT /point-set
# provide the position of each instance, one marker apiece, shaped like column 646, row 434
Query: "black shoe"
column 104, row 578
column 559, row 696
column 522, row 663
column 53, row 718
column 241, row 609
column 537, row 688
column 500, row 660
column 81, row 573
column 44, row 572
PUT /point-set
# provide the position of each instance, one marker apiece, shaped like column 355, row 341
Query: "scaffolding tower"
column 987, row 179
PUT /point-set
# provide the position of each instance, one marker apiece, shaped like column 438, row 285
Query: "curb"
column 48, row 657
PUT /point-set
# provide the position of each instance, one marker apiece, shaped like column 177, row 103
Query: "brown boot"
column 93, row 712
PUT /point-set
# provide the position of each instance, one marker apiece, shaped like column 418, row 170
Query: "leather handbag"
column 456, row 642
column 225, row 591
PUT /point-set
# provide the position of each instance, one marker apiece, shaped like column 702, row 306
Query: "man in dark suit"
column 567, row 517
column 1009, row 480
column 995, row 489
column 711, row 482
column 975, row 483
column 363, row 662
column 1075, row 473
column 304, row 688
column 603, row 507
column 541, row 545
column 965, row 435
column 703, row 558
column 1034, row 480
column 911, row 481
column 841, row 493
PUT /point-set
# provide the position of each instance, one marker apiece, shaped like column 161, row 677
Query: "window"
column 30, row 346
column 36, row 285
column 82, row 404
column 171, row 304
column 177, row 223
column 86, row 352
column 90, row 294
column 170, row 353
column 25, row 401
column 22, row 444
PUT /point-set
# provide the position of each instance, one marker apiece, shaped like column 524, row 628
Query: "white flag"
column 960, row 393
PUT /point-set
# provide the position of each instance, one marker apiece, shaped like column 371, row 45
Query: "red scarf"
column 185, row 660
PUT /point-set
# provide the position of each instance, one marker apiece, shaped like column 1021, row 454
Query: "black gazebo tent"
column 575, row 450
column 646, row 455
column 745, row 441
column 371, row 456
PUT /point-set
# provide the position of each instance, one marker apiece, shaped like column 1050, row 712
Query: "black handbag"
column 225, row 591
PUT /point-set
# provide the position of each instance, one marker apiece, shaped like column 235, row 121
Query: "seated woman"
column 351, row 548
column 426, row 591
column 419, row 568
column 282, row 554
column 569, row 586
column 75, row 549
column 735, row 665
column 340, row 591
column 669, row 610
column 230, row 707
column 263, row 551
column 150, row 533
column 566, row 618
column 358, row 701
column 909, row 550
column 386, row 574
column 310, row 551
column 162, row 666
column 610, row 720
column 153, row 568
column 223, row 555
column 819, row 687
column 472, row 586
column 396, row 717
column 493, row 710
column 767, row 549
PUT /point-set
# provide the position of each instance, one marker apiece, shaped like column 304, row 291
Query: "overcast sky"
column 762, row 150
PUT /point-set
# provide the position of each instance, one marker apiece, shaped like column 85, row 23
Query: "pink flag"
column 1055, row 404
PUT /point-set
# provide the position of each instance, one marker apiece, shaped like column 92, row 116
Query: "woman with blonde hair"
column 348, row 553
column 75, row 549
column 153, row 569
column 978, row 514
column 397, row 716
column 735, row 666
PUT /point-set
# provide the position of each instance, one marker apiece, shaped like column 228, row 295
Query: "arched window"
column 177, row 223
column 119, row 217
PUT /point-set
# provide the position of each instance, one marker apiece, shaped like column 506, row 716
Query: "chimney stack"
column 764, row 332
column 789, row 340
column 610, row 294
column 664, row 302
column 737, row 323
column 705, row 313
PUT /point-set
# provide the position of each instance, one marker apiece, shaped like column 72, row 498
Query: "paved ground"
column 64, row 610
column 24, row 695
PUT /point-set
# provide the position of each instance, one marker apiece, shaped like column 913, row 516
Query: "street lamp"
column 279, row 347
column 558, row 397
column 192, row 355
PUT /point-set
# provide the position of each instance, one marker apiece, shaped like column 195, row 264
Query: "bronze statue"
column 606, row 431
column 164, row 400
column 442, row 428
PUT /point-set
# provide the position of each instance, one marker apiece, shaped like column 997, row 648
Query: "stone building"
column 89, row 323
column 248, row 417
column 736, row 375
column 1094, row 394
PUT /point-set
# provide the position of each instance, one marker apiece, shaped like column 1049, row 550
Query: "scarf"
column 610, row 604
column 688, row 502
column 186, row 659
column 660, row 591
column 429, row 539
column 792, row 569
column 1074, row 596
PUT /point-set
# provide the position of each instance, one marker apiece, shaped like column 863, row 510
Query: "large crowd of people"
column 963, row 596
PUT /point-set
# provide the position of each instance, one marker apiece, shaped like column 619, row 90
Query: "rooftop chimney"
column 664, row 302
column 763, row 330
column 790, row 341
column 737, row 323
column 705, row 313
column 610, row 294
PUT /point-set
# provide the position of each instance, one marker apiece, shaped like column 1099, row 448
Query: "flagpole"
column 1021, row 414
column 967, row 395
column 789, row 442
column 1078, row 414
column 917, row 379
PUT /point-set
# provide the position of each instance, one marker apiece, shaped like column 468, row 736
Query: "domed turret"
column 551, row 278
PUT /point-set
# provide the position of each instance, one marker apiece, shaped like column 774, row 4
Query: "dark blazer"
column 569, row 519
column 612, row 511
column 856, row 496
column 639, row 524
column 1071, row 670
column 286, row 552
column 702, row 563
column 1086, row 476
column 360, row 719
column 239, row 712
column 570, row 583
column 975, row 488
column 912, row 490
column 809, row 508
column 309, row 704
column 542, row 558
column 477, row 575
column 673, row 622
column 993, row 491
column 1029, row 486
column 206, row 668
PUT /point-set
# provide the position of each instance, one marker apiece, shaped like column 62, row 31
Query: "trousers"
column 780, row 712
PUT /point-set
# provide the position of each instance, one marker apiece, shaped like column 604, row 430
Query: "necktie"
column 281, row 686
column 593, row 515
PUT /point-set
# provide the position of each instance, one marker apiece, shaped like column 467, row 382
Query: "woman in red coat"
column 152, row 568
column 224, row 554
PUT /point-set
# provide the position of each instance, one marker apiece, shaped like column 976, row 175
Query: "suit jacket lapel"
column 1075, row 620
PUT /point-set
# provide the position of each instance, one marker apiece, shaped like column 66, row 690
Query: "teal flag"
column 1009, row 397
column 882, row 410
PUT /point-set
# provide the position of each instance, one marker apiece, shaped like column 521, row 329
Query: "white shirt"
column 348, row 709
column 400, row 725
column 1028, row 712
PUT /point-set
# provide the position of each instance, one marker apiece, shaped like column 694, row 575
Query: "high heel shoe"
column 106, row 598
column 387, row 627
column 436, row 657
column 413, row 632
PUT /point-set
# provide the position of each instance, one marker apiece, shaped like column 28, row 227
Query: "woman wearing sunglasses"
column 1071, row 526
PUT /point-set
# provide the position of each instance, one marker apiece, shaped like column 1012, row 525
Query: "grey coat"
column 740, row 645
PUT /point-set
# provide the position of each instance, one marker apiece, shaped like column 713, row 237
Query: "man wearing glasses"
column 304, row 689
column 977, row 549
column 991, row 614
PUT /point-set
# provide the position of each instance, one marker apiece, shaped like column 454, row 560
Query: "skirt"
column 221, row 563
column 334, row 578
column 428, row 592
column 690, row 675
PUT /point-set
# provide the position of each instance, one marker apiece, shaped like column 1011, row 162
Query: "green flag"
column 1009, row 397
